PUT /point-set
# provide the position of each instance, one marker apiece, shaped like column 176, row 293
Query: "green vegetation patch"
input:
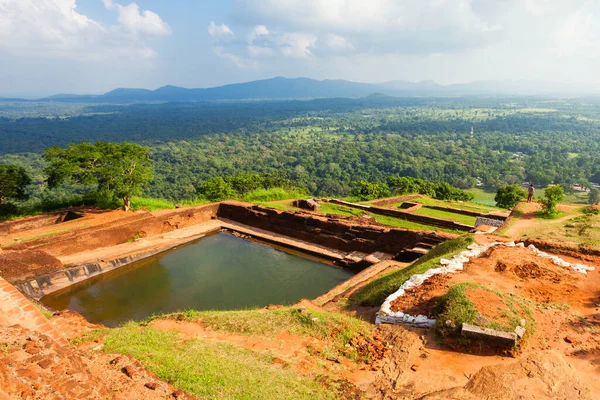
column 376, row 292
column 462, row 205
column 335, row 209
column 340, row 328
column 273, row 194
column 430, row 212
column 212, row 370
column 455, row 308
column 483, row 197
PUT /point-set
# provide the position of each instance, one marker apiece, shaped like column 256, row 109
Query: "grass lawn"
column 430, row 212
column 477, row 207
column 376, row 292
column 218, row 370
column 483, row 196
column 328, row 208
column 212, row 370
column 571, row 225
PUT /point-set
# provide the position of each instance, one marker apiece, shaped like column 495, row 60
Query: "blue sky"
column 92, row 46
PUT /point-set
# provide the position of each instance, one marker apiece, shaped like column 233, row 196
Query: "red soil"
column 487, row 303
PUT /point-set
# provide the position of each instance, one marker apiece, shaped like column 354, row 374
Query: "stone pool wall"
column 335, row 233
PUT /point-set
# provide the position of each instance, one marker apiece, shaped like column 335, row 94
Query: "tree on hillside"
column 118, row 170
column 594, row 197
column 553, row 195
column 13, row 181
column 508, row 196
column 369, row 190
column 216, row 189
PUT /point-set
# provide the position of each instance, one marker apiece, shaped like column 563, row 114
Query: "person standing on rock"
column 530, row 193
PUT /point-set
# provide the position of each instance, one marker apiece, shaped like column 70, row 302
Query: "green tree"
column 553, row 195
column 369, row 190
column 13, row 181
column 594, row 197
column 508, row 196
column 216, row 189
column 118, row 170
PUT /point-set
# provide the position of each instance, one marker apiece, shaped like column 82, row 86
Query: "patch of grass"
column 402, row 223
column 150, row 204
column 544, row 215
column 469, row 206
column 273, row 194
column 463, row 219
column 483, row 196
column 90, row 336
column 135, row 237
column 212, row 370
column 455, row 309
column 375, row 293
column 43, row 309
column 338, row 327
column 336, row 209
column 517, row 213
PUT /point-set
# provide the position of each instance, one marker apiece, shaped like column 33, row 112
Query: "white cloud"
column 220, row 32
column 425, row 26
column 258, row 32
column 54, row 28
column 235, row 59
column 145, row 22
column 298, row 44
column 260, row 51
column 338, row 43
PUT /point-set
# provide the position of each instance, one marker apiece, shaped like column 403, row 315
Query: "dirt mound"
column 34, row 366
column 518, row 270
column 540, row 375
column 421, row 299
column 528, row 270
column 487, row 303
column 19, row 265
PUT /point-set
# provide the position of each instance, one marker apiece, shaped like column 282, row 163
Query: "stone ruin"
column 310, row 204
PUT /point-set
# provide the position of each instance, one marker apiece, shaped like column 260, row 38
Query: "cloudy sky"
column 92, row 46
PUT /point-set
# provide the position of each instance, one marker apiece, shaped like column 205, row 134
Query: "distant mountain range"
column 303, row 88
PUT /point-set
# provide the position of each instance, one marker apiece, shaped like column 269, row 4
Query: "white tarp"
column 449, row 266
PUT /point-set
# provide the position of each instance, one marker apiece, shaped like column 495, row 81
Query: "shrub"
column 553, row 195
column 508, row 196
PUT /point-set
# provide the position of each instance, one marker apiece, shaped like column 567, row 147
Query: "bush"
column 8, row 209
column 439, row 191
column 594, row 197
column 365, row 191
column 508, row 196
column 553, row 195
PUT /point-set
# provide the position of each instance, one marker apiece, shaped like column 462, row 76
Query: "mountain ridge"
column 281, row 88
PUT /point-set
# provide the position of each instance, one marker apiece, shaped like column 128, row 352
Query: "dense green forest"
column 324, row 145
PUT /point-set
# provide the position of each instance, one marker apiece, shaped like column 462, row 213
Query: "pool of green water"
column 218, row 272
